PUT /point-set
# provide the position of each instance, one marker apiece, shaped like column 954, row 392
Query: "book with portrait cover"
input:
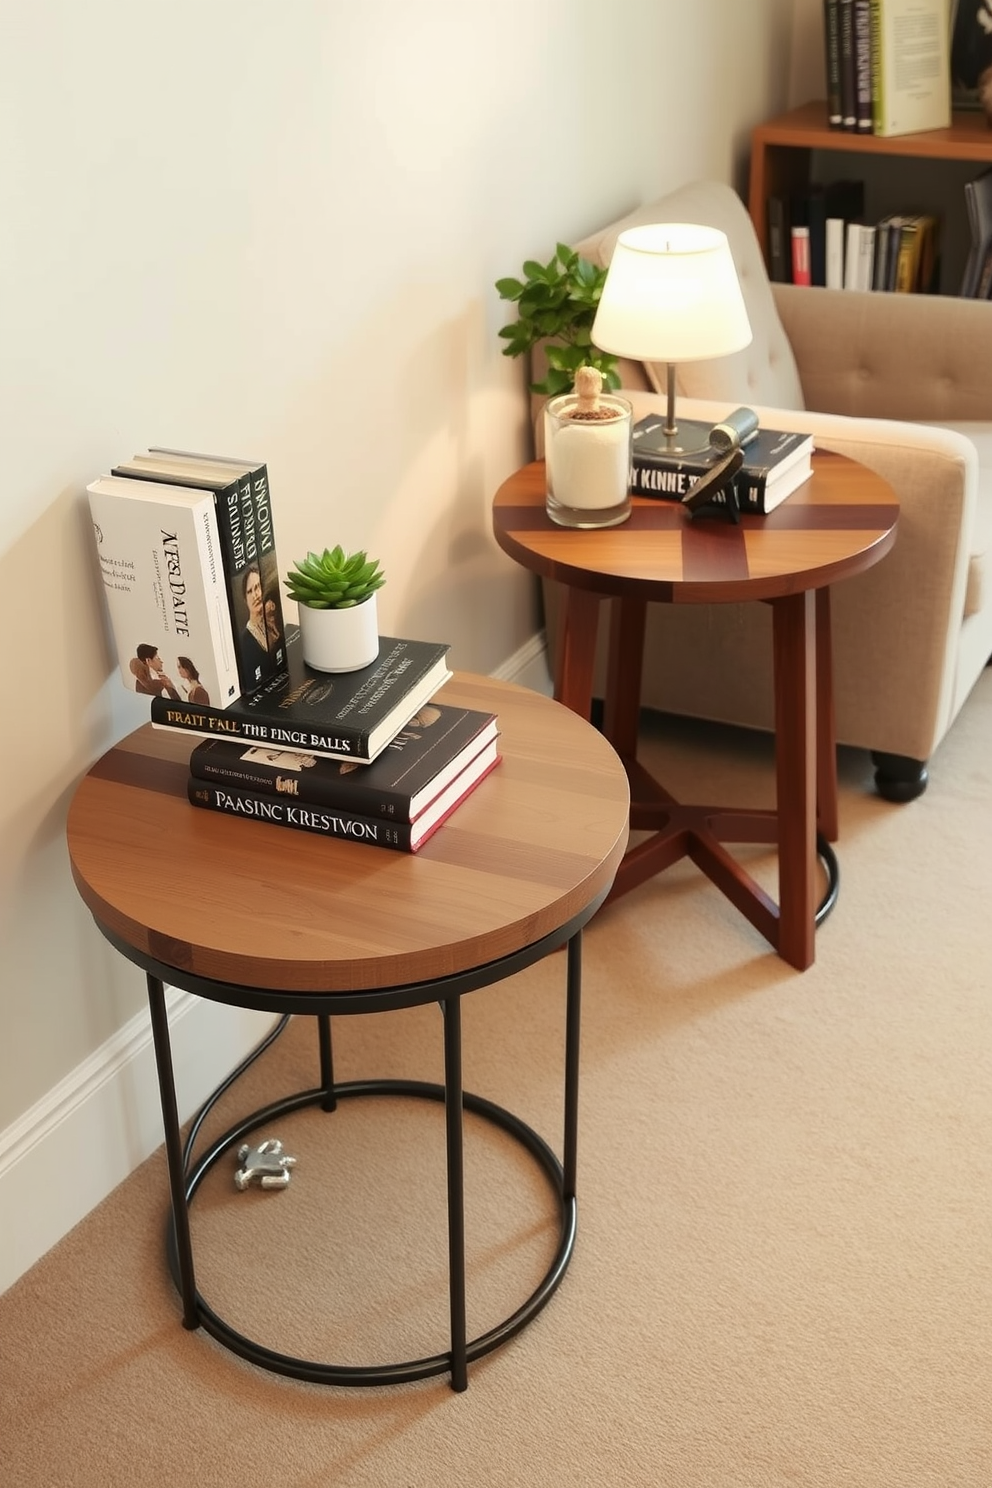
column 432, row 748
column 339, row 821
column 159, row 554
column 775, row 463
column 340, row 715
column 244, row 519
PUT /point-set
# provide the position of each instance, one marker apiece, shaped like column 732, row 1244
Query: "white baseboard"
column 71, row 1149
column 528, row 665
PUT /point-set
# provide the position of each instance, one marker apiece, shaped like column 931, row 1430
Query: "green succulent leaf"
column 333, row 580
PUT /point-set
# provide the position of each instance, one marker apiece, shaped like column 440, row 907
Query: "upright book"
column 341, row 821
column 416, row 767
column 345, row 715
column 159, row 554
column 910, row 66
column 831, row 48
column 244, row 516
column 978, row 200
column 775, row 464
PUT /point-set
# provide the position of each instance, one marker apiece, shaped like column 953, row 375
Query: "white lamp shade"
column 671, row 295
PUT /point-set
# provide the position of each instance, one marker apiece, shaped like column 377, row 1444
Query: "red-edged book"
column 398, row 801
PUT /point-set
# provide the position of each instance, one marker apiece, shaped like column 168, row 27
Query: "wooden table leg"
column 576, row 650
column 826, row 726
column 622, row 704
column 794, row 642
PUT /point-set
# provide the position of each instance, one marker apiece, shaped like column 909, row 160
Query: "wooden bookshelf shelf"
column 781, row 151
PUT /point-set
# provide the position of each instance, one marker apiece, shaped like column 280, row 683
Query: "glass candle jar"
column 587, row 461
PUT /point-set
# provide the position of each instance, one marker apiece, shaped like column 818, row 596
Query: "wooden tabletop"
column 839, row 522
column 264, row 906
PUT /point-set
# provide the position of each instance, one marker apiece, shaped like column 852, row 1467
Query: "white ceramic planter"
column 340, row 640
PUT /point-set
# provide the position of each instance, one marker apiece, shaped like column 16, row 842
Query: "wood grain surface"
column 838, row 523
column 266, row 906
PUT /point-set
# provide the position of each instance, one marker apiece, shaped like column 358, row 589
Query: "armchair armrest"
column 893, row 356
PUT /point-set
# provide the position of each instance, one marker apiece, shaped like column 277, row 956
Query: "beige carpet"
column 784, row 1266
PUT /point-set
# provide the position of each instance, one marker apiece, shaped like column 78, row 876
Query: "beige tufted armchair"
column 901, row 382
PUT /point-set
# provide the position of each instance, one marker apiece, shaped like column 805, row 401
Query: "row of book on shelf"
column 888, row 65
column 822, row 236
column 186, row 549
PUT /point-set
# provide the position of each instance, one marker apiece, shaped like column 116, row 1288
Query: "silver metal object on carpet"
column 267, row 1165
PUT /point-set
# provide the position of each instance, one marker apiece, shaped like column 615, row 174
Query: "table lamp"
column 672, row 295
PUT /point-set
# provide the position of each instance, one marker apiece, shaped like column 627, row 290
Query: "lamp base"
column 690, row 438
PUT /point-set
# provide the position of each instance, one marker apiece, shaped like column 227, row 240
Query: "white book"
column 160, row 560
column 866, row 255
column 835, row 253
column 852, row 255
column 910, row 66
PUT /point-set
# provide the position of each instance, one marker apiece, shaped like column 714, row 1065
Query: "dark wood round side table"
column 261, row 916
column 837, row 524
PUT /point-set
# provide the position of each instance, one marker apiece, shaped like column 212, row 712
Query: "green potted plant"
column 556, row 303
column 335, row 592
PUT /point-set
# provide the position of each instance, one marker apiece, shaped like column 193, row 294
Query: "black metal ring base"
column 828, row 858
column 413, row 1369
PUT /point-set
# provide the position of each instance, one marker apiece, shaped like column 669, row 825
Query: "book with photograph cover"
column 340, row 715
column 244, row 517
column 434, row 746
column 159, row 553
column 338, row 821
column 775, row 464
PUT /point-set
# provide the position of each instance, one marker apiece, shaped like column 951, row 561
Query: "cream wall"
column 273, row 230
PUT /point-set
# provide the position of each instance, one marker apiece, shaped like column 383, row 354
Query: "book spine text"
column 327, row 821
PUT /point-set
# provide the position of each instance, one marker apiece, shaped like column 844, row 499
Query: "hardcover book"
column 910, row 66
column 342, row 715
column 978, row 200
column 430, row 750
column 775, row 463
column 338, row 821
column 159, row 554
column 244, row 517
column 831, row 48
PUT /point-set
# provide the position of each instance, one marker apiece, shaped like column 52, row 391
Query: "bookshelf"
column 797, row 147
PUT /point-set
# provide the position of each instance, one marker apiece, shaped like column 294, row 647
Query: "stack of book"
column 364, row 755
column 187, row 554
column 888, row 68
column 775, row 465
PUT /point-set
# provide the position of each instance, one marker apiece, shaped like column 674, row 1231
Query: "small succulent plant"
column 331, row 581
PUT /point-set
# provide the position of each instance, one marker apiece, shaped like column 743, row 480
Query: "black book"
column 863, row 115
column 244, row 520
column 978, row 200
column 339, row 821
column 831, row 46
column 848, row 67
column 775, row 463
column 414, row 769
column 340, row 715
column 779, row 241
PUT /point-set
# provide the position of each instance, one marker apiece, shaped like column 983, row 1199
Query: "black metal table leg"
column 174, row 1149
column 572, row 1031
column 452, row 1010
